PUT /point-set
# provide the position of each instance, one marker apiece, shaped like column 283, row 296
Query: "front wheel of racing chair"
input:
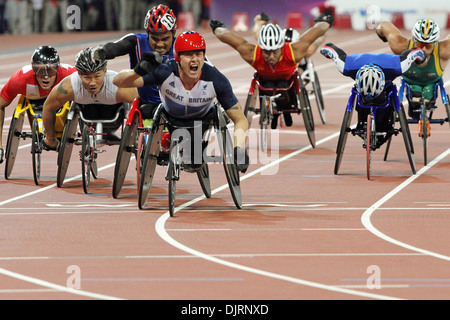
column 128, row 146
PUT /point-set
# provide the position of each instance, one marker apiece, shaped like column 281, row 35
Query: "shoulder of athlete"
column 444, row 49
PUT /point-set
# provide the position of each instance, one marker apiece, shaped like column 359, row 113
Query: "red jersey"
column 283, row 69
column 24, row 82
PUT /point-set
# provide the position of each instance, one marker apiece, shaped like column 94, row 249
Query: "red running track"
column 303, row 233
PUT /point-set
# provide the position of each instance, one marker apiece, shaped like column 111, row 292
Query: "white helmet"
column 426, row 30
column 271, row 37
column 370, row 81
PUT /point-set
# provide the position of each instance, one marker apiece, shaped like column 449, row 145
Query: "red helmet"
column 160, row 19
column 188, row 41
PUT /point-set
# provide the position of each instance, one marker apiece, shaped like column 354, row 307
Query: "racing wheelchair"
column 33, row 110
column 92, row 120
column 295, row 95
column 423, row 113
column 181, row 143
column 377, row 124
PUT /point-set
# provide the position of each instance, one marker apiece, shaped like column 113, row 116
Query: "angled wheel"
column 86, row 157
column 231, row 172
column 370, row 142
column 404, row 128
column 447, row 109
column 36, row 151
column 66, row 146
column 250, row 105
column 12, row 144
column 319, row 98
column 345, row 129
column 203, row 178
column 128, row 146
column 149, row 165
column 307, row 114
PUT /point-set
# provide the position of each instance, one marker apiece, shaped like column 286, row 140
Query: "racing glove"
column 99, row 53
column 264, row 16
column 149, row 62
column 241, row 159
column 214, row 24
column 325, row 16
column 1, row 155
column 383, row 38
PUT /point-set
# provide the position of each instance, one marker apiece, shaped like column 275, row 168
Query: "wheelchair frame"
column 90, row 140
column 369, row 132
column 174, row 164
column 426, row 113
column 301, row 105
column 24, row 106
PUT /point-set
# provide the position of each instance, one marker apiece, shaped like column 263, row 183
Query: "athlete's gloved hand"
column 325, row 16
column 99, row 53
column 328, row 52
column 383, row 38
column 264, row 16
column 1, row 155
column 417, row 55
column 214, row 24
column 149, row 62
column 241, row 159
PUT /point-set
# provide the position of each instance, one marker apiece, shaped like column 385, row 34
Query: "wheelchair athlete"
column 160, row 25
column 421, row 78
column 34, row 81
column 189, row 87
column 91, row 85
column 373, row 75
column 274, row 59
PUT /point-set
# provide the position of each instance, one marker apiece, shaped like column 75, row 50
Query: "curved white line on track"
column 160, row 229
column 365, row 218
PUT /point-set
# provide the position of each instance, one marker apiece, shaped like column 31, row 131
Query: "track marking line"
column 365, row 218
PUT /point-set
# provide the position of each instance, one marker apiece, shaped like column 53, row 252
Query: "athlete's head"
column 45, row 64
column 189, row 51
column 370, row 81
column 160, row 24
column 92, row 72
column 271, row 41
column 426, row 34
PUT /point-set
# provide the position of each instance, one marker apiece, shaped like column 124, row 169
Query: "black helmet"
column 45, row 61
column 85, row 62
column 45, row 55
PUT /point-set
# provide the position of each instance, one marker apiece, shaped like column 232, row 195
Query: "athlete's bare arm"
column 59, row 95
column 245, row 48
column 309, row 38
column 128, row 79
column 240, row 125
column 394, row 37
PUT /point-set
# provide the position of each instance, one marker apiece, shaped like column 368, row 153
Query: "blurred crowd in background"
column 42, row 16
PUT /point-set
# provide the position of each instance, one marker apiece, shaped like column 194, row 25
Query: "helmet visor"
column 45, row 70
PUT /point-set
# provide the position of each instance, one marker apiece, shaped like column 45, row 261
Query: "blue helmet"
column 370, row 81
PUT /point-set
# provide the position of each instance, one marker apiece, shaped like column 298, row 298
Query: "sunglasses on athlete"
column 43, row 70
column 424, row 45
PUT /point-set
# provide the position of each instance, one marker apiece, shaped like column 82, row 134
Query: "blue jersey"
column 196, row 102
column 148, row 94
column 389, row 63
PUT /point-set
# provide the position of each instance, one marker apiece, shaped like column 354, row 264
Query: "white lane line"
column 162, row 232
column 365, row 218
